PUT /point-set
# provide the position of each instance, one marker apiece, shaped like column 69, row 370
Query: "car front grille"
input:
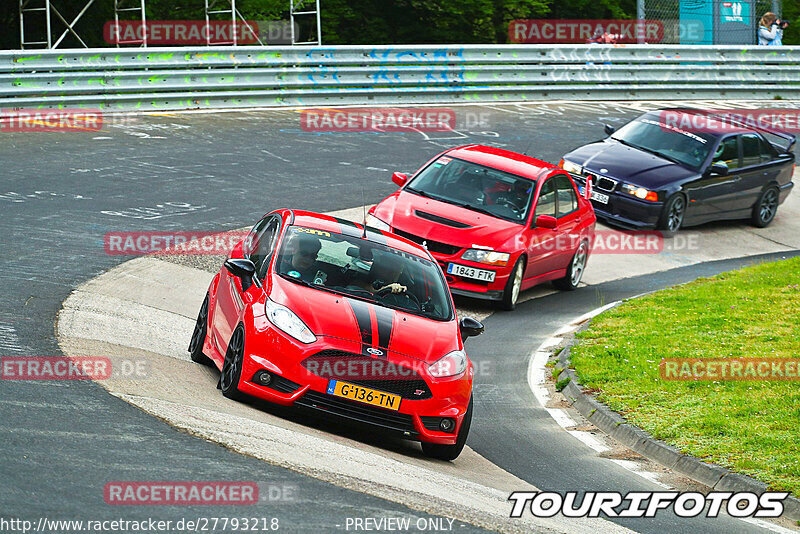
column 357, row 411
column 369, row 372
column 606, row 184
column 433, row 246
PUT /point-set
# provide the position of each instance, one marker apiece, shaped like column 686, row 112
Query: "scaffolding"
column 305, row 9
column 229, row 9
column 45, row 7
column 128, row 6
column 46, row 11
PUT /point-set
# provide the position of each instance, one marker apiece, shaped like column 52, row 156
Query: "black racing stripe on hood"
column 385, row 321
column 361, row 311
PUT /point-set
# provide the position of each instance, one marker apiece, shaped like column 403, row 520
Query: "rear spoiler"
column 788, row 139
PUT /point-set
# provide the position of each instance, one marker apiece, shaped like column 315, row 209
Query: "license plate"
column 365, row 395
column 599, row 197
column 470, row 272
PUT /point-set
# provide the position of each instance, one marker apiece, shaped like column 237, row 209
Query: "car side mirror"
column 244, row 269
column 470, row 327
column 400, row 178
column 608, row 129
column 719, row 168
column 546, row 221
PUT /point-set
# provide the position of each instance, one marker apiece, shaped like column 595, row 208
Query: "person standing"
column 770, row 30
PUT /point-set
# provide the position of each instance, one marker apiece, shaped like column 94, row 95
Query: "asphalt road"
column 61, row 192
column 532, row 446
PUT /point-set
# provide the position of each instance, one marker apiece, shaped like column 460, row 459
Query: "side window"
column 728, row 152
column 546, row 204
column 261, row 242
column 755, row 150
column 567, row 199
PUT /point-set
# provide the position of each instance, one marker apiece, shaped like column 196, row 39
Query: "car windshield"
column 669, row 142
column 364, row 269
column 475, row 187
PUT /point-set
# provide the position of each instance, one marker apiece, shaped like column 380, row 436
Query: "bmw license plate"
column 599, row 197
column 470, row 272
column 365, row 395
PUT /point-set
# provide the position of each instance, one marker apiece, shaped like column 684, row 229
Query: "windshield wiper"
column 475, row 208
column 421, row 193
column 651, row 151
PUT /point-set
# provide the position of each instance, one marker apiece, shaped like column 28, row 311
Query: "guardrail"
column 231, row 77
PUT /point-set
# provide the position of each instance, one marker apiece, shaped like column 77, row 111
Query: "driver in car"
column 384, row 274
column 300, row 259
column 518, row 196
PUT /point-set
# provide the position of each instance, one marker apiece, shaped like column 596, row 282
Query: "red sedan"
column 319, row 312
column 497, row 222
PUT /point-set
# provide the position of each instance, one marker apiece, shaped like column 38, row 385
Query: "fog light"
column 446, row 424
column 264, row 378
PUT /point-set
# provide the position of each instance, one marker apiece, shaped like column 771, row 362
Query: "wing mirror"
column 400, row 178
column 719, row 168
column 608, row 129
column 470, row 327
column 546, row 221
column 244, row 269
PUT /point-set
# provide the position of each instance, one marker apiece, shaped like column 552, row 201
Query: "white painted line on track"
column 586, row 316
column 561, row 417
column 636, row 467
column 588, row 439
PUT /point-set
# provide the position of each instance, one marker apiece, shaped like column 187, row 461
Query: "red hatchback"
column 318, row 312
column 497, row 222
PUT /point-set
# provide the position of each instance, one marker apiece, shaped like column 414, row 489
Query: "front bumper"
column 627, row 212
column 281, row 356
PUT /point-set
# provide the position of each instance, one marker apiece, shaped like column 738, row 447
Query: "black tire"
column 231, row 372
column 450, row 452
column 513, row 286
column 673, row 215
column 765, row 208
column 575, row 271
column 199, row 336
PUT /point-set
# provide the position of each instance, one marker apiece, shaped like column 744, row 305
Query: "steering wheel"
column 507, row 202
column 410, row 296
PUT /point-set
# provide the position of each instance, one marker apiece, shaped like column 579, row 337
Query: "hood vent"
column 440, row 220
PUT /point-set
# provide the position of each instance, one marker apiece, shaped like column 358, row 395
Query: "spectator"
column 770, row 30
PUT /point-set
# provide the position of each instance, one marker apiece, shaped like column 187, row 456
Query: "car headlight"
column 286, row 320
column 489, row 257
column 450, row 364
column 568, row 166
column 374, row 222
column 640, row 192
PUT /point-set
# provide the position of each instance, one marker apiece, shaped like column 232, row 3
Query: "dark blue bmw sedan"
column 667, row 169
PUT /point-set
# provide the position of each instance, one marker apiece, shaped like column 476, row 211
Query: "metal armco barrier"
column 209, row 78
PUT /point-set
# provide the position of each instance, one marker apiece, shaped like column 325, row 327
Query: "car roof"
column 502, row 160
column 730, row 127
column 336, row 225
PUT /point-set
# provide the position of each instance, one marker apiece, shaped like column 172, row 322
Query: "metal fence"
column 708, row 21
column 212, row 78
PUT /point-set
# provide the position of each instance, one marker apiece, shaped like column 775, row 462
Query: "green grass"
column 752, row 427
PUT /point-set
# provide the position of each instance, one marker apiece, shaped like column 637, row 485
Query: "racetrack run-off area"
column 171, row 172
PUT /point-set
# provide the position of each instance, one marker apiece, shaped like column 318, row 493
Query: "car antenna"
column 364, row 208
column 528, row 148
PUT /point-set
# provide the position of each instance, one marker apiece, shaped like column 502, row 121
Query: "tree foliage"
column 363, row 21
